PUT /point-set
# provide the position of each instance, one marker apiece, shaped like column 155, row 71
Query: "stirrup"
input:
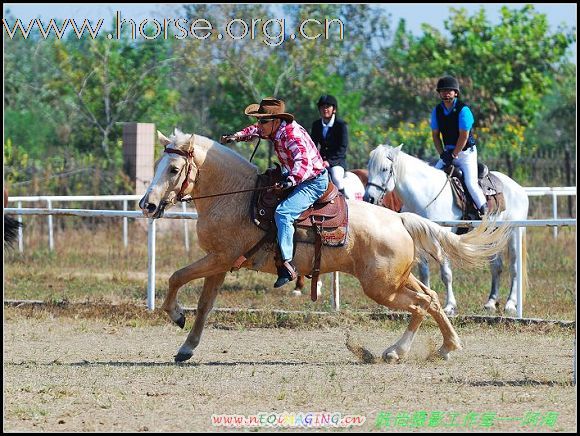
column 286, row 273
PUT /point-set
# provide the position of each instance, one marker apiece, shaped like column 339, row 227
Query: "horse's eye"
column 174, row 170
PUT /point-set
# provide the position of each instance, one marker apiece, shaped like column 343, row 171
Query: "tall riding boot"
column 483, row 210
column 342, row 191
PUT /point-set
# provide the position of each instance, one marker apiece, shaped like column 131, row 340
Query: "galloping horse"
column 425, row 191
column 380, row 249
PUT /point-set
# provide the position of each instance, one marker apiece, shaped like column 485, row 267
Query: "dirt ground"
column 67, row 374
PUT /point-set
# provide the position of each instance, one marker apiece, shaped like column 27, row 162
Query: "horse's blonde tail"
column 470, row 250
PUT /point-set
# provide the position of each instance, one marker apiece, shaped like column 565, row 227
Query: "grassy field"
column 90, row 263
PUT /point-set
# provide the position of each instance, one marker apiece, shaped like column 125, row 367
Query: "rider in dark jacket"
column 330, row 134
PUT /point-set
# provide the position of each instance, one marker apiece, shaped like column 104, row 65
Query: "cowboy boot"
column 286, row 273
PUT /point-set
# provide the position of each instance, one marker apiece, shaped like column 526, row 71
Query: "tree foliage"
column 68, row 98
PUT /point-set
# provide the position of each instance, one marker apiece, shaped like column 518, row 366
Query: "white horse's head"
column 175, row 174
column 381, row 172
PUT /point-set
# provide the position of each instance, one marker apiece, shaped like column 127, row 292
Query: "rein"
column 189, row 198
column 447, row 178
column 189, row 155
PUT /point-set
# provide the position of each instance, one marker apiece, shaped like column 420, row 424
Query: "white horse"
column 425, row 191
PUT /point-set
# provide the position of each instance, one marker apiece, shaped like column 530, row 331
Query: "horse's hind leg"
column 205, row 267
column 451, row 340
column 204, row 306
column 411, row 301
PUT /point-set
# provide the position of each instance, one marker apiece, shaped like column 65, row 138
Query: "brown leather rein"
column 188, row 155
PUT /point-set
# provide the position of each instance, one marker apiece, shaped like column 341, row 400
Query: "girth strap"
column 268, row 237
column 317, row 258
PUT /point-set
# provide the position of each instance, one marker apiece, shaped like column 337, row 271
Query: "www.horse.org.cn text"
column 272, row 32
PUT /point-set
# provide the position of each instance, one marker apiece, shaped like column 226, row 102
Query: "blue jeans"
column 301, row 198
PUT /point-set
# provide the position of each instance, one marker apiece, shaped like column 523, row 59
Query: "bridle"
column 189, row 161
column 383, row 189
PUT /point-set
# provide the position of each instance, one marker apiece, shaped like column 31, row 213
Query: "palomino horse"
column 425, row 191
column 380, row 249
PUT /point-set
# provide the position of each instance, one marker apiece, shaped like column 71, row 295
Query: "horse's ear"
column 191, row 142
column 163, row 140
column 399, row 147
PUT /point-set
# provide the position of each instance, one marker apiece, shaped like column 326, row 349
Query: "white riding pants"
column 467, row 162
column 337, row 176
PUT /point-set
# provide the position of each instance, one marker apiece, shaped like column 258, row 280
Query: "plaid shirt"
column 294, row 148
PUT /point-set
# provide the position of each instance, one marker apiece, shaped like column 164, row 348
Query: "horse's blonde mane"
column 180, row 140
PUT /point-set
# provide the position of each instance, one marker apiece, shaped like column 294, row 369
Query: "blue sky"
column 414, row 14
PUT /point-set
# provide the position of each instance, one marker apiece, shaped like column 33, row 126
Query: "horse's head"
column 175, row 174
column 381, row 173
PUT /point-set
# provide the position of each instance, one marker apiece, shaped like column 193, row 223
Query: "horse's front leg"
column 447, row 279
column 204, row 306
column 205, row 267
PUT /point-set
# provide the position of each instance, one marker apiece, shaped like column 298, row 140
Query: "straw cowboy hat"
column 269, row 107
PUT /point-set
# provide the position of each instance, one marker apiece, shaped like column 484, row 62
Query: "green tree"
column 109, row 82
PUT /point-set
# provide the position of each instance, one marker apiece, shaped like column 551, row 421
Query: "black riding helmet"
column 448, row 82
column 327, row 99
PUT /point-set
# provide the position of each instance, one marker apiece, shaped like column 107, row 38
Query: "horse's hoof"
column 490, row 306
column 296, row 293
column 180, row 321
column 182, row 357
column 443, row 353
column 511, row 308
column 391, row 356
column 450, row 310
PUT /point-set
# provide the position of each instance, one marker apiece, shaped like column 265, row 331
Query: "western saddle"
column 489, row 183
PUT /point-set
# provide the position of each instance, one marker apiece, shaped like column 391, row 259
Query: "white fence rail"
column 335, row 294
column 49, row 199
column 554, row 192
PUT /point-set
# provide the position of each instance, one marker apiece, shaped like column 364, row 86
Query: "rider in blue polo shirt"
column 451, row 126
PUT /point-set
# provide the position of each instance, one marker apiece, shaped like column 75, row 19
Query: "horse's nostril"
column 151, row 207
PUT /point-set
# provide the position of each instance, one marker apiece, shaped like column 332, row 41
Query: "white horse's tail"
column 472, row 249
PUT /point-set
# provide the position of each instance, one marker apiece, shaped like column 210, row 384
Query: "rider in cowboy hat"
column 303, row 169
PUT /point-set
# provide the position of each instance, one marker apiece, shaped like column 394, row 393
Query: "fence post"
column 50, row 236
column 335, row 292
column 555, row 213
column 125, row 224
column 520, row 271
column 185, row 230
column 20, row 237
column 151, row 264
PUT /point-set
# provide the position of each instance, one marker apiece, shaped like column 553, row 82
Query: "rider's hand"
column 228, row 138
column 447, row 157
column 283, row 185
